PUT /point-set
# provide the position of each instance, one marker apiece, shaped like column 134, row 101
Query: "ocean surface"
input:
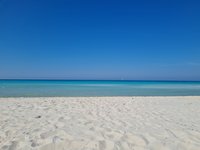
column 49, row 88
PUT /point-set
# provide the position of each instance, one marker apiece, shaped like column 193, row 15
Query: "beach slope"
column 100, row 123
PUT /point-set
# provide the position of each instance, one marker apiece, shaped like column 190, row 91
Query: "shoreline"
column 100, row 123
column 95, row 96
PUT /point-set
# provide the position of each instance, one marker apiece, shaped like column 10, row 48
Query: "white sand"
column 100, row 123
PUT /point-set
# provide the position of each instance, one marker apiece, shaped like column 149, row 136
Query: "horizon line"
column 55, row 79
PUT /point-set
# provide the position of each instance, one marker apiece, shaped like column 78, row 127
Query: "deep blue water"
column 33, row 88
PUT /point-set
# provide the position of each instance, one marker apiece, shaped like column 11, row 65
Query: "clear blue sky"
column 100, row 39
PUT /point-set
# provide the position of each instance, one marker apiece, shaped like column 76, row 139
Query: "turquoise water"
column 33, row 88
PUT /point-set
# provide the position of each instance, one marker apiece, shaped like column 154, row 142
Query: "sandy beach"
column 100, row 123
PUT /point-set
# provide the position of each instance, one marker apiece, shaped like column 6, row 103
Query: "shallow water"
column 46, row 88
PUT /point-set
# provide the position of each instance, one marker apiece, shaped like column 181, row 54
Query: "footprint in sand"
column 137, row 140
column 110, row 134
column 106, row 145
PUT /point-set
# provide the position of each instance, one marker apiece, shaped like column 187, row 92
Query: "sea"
column 77, row 88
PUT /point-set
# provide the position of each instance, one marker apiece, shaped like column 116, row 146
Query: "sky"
column 100, row 39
